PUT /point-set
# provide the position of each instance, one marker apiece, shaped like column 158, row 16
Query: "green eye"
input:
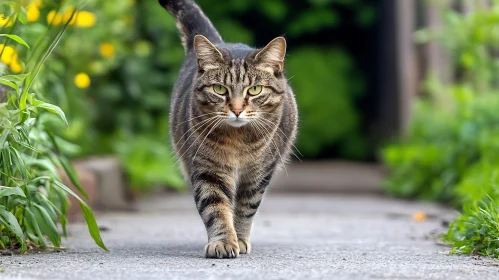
column 255, row 90
column 220, row 89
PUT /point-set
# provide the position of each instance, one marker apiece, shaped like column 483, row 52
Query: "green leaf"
column 27, row 146
column 18, row 162
column 73, row 177
column 48, row 224
column 9, row 84
column 93, row 228
column 51, row 108
column 14, row 78
column 67, row 167
column 33, row 223
column 15, row 38
column 44, row 165
column 22, row 15
column 6, row 191
column 12, row 225
column 60, row 214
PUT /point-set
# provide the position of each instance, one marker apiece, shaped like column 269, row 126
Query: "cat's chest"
column 244, row 150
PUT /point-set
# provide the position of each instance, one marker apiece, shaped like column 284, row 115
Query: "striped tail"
column 191, row 21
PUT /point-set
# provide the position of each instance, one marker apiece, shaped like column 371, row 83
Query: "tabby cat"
column 233, row 120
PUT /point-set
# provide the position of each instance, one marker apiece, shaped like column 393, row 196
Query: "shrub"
column 328, row 76
column 451, row 152
column 32, row 198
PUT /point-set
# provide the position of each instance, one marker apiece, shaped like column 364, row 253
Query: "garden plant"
column 451, row 151
column 34, row 201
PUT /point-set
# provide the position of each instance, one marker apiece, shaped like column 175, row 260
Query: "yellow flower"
column 85, row 19
column 5, row 21
column 8, row 54
column 37, row 3
column 16, row 67
column 67, row 16
column 82, row 80
column 107, row 50
column 54, row 18
column 9, row 58
column 33, row 13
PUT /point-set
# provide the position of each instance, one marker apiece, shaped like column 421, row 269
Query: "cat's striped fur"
column 228, row 145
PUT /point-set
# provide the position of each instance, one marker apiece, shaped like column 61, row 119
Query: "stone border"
column 104, row 181
column 329, row 176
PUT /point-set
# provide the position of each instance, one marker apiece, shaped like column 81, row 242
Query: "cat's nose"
column 237, row 112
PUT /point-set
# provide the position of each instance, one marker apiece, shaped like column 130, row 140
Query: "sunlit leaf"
column 15, row 38
column 88, row 214
column 8, row 191
column 51, row 108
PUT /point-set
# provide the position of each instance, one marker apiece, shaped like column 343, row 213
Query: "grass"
column 476, row 230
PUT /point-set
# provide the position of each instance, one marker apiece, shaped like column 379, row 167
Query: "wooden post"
column 437, row 60
column 406, row 63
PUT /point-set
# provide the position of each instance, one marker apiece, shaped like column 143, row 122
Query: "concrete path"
column 295, row 237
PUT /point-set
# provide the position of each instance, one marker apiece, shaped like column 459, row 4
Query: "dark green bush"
column 326, row 85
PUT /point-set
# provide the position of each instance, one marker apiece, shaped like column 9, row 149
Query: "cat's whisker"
column 281, row 132
column 197, row 117
column 194, row 126
column 264, row 137
column 269, row 113
column 277, row 148
column 194, row 129
column 200, row 135
column 284, row 134
column 260, row 132
column 207, row 134
column 283, row 142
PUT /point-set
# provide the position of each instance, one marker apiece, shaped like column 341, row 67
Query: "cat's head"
column 240, row 84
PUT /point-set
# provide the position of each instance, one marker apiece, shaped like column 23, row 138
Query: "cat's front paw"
column 221, row 250
column 244, row 246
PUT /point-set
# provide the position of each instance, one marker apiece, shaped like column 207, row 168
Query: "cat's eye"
column 255, row 90
column 220, row 89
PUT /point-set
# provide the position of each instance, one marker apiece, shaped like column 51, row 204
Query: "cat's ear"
column 271, row 57
column 209, row 57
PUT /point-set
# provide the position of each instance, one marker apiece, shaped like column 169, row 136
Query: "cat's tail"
column 191, row 21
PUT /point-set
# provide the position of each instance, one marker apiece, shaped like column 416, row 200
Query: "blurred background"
column 118, row 70
column 396, row 82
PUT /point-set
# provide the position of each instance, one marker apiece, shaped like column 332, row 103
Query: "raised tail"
column 191, row 21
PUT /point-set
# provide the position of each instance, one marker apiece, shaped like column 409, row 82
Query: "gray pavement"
column 294, row 237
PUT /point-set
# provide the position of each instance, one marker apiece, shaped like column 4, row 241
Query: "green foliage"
column 451, row 152
column 132, row 53
column 145, row 159
column 476, row 231
column 443, row 144
column 314, row 80
column 33, row 201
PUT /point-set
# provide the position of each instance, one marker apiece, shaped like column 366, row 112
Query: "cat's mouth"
column 237, row 121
